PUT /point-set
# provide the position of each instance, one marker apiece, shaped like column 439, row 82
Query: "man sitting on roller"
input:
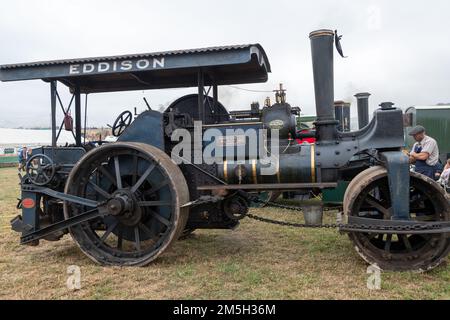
column 424, row 153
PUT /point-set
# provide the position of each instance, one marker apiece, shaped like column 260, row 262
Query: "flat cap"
column 416, row 130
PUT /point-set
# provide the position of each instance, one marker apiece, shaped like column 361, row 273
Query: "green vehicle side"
column 436, row 120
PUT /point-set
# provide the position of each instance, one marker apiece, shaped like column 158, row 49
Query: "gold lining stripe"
column 321, row 32
column 255, row 180
column 232, row 124
column 225, row 170
column 313, row 164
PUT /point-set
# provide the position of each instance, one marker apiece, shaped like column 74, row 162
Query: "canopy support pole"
column 85, row 118
column 201, row 87
column 77, row 116
column 215, row 95
column 53, row 110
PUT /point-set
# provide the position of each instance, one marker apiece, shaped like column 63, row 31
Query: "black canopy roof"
column 170, row 69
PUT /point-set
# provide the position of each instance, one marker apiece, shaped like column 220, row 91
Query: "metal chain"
column 282, row 206
column 285, row 223
column 293, row 224
column 333, row 225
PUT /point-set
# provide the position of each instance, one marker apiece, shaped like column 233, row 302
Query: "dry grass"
column 256, row 261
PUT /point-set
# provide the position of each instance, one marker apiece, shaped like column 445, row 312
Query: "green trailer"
column 436, row 120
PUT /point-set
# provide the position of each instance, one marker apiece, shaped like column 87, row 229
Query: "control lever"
column 148, row 106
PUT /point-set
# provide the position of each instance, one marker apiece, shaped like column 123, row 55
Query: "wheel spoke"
column 117, row 169
column 156, row 188
column 161, row 219
column 142, row 178
column 45, row 175
column 109, row 230
column 146, row 229
column 154, row 203
column 108, row 175
column 99, row 190
column 370, row 236
column 119, row 238
column 387, row 245
column 137, row 239
column 406, row 242
column 377, row 205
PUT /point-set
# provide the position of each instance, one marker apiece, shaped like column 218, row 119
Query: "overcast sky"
column 397, row 50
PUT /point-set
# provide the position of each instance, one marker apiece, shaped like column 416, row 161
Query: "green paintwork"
column 305, row 120
column 8, row 159
column 335, row 195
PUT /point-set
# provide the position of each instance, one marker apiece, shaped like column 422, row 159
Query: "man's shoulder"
column 428, row 139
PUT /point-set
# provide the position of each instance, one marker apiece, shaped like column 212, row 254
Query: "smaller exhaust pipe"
column 342, row 114
column 362, row 99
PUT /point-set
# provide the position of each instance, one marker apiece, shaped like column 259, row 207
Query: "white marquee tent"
column 29, row 137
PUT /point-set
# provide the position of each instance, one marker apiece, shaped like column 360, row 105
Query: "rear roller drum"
column 368, row 196
column 142, row 191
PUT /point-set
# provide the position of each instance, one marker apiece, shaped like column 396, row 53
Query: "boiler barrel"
column 288, row 168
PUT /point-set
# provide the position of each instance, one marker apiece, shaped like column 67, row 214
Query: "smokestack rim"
column 321, row 32
column 362, row 95
column 341, row 103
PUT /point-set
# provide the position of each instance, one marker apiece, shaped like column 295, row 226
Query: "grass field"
column 255, row 261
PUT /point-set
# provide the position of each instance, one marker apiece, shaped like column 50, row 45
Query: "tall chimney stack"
column 322, row 61
column 363, row 108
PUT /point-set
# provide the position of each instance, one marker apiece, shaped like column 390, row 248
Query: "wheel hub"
column 123, row 206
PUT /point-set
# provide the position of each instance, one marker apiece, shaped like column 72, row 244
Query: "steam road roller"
column 197, row 165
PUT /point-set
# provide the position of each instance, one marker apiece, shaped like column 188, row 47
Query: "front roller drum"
column 368, row 196
column 142, row 192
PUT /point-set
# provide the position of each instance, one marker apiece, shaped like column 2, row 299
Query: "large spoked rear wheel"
column 368, row 196
column 142, row 191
